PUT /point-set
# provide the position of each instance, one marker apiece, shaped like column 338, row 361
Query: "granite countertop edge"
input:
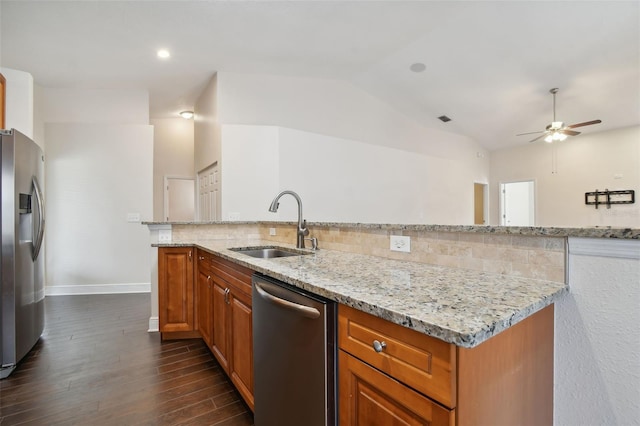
column 584, row 232
column 456, row 305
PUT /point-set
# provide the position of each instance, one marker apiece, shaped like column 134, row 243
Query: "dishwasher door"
column 294, row 356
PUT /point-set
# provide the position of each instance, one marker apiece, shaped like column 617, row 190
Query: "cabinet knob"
column 208, row 277
column 200, row 257
column 379, row 346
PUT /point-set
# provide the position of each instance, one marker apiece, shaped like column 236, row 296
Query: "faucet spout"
column 302, row 230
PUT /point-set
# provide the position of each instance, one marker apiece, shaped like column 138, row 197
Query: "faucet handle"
column 304, row 229
column 314, row 243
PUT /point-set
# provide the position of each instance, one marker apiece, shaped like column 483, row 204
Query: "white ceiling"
column 489, row 65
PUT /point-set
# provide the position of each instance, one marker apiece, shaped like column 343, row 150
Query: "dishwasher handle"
column 303, row 310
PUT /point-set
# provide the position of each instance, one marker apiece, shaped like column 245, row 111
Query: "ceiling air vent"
column 444, row 118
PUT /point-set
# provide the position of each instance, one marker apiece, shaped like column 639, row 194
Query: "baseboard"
column 154, row 324
column 66, row 290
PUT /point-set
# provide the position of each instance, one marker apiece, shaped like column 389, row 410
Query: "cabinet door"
column 203, row 305
column 242, row 345
column 220, row 335
column 370, row 397
column 175, row 288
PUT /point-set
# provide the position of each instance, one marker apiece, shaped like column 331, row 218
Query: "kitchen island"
column 475, row 253
column 458, row 306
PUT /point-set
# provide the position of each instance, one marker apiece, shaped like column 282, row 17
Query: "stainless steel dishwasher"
column 293, row 356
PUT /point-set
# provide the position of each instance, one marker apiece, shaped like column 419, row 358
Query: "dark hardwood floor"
column 96, row 364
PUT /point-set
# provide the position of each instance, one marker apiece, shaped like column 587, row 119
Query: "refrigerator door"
column 21, row 266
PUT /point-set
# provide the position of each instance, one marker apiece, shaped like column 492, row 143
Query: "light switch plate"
column 400, row 243
column 133, row 217
column 272, row 231
column 164, row 235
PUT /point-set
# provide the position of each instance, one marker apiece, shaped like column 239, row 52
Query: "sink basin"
column 267, row 252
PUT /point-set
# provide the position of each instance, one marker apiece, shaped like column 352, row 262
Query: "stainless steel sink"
column 267, row 252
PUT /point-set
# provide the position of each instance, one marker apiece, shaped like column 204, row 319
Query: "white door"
column 179, row 196
column 208, row 193
column 517, row 203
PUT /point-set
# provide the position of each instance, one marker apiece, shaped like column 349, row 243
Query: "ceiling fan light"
column 561, row 137
column 557, row 125
column 548, row 138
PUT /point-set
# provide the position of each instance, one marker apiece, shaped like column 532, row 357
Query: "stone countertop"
column 459, row 306
column 586, row 232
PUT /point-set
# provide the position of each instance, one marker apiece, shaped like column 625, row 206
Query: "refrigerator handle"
column 38, row 240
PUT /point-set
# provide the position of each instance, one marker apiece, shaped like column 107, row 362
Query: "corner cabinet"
column 175, row 292
column 389, row 374
column 203, row 295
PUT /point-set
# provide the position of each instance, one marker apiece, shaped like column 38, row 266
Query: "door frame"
column 485, row 202
column 501, row 199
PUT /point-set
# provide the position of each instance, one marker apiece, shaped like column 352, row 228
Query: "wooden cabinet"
column 175, row 291
column 204, row 292
column 370, row 397
column 221, row 327
column 232, row 336
column 390, row 374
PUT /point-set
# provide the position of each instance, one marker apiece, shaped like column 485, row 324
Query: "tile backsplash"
column 531, row 256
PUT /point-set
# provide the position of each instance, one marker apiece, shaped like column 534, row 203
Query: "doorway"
column 480, row 204
column 517, row 203
column 179, row 199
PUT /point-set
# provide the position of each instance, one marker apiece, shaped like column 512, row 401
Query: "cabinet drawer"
column 422, row 362
column 370, row 397
column 235, row 275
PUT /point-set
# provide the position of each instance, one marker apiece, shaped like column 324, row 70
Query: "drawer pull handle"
column 379, row 346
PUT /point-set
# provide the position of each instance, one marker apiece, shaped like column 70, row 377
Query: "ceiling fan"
column 557, row 131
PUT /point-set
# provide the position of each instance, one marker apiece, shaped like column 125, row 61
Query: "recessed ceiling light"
column 186, row 114
column 418, row 67
column 163, row 54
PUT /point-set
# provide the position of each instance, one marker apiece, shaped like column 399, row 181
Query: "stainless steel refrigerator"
column 21, row 260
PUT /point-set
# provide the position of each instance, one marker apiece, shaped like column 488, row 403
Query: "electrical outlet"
column 272, row 231
column 164, row 235
column 400, row 243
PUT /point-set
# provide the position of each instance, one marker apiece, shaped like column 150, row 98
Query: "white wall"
column 206, row 127
column 98, row 168
column 341, row 180
column 19, row 101
column 173, row 147
column 249, row 171
column 331, row 107
column 355, row 158
column 597, row 354
column 92, row 187
column 564, row 171
column 96, row 106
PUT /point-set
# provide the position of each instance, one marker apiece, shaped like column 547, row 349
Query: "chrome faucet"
column 302, row 224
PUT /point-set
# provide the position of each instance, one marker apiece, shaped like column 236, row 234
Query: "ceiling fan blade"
column 529, row 133
column 539, row 137
column 586, row 123
column 569, row 132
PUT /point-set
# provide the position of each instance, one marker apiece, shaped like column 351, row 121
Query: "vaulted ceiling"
column 487, row 65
